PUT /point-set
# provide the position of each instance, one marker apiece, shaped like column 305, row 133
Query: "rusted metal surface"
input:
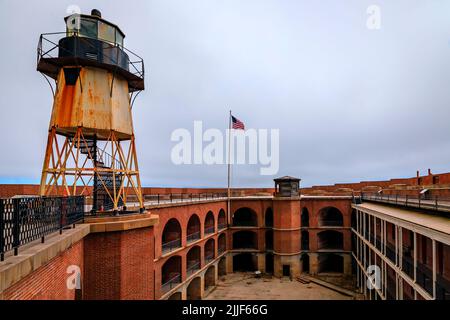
column 91, row 104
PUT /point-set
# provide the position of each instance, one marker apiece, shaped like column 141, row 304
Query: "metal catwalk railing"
column 209, row 230
column 171, row 283
column 221, row 226
column 171, row 245
column 421, row 202
column 155, row 199
column 193, row 236
column 192, row 268
column 209, row 257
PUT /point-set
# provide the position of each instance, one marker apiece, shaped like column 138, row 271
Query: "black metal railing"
column 221, row 249
column 356, row 199
column 154, row 199
column 193, row 236
column 209, row 230
column 192, row 268
column 171, row 245
column 435, row 203
column 171, row 283
column 209, row 257
column 23, row 220
column 58, row 45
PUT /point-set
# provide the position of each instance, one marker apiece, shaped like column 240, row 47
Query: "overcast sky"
column 351, row 103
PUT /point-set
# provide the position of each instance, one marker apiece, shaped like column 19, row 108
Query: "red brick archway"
column 245, row 217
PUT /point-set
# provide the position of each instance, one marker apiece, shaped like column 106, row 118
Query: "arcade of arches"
column 256, row 239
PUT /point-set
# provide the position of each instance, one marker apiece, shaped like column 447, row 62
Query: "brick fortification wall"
column 119, row 265
column 407, row 186
column 49, row 282
column 115, row 257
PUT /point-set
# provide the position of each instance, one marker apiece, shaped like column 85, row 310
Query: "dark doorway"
column 305, row 240
column 245, row 240
column 331, row 263
column 305, row 263
column 330, row 240
column 269, row 240
column 286, row 270
column 305, row 217
column 244, row 262
column 269, row 218
column 269, row 263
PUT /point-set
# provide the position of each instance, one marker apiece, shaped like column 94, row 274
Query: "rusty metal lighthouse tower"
column 91, row 144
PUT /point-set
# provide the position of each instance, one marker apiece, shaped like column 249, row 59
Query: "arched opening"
column 222, row 266
column 193, row 228
column 209, row 223
column 222, row 220
column 269, row 263
column 268, row 218
column 194, row 289
column 305, row 217
column 245, row 240
column 330, row 240
column 269, row 240
column 175, row 296
column 330, row 263
column 210, row 277
column 222, row 243
column 171, row 273
column 193, row 260
column 244, row 262
column 330, row 217
column 305, row 240
column 209, row 251
column 305, row 262
column 353, row 219
column 245, row 217
column 171, row 237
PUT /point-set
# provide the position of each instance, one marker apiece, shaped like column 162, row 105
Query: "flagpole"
column 229, row 169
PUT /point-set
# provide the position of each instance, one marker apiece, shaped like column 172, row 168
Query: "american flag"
column 237, row 124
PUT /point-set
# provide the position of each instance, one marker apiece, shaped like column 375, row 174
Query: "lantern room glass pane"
column 106, row 32
column 88, row 28
column 119, row 38
column 73, row 24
